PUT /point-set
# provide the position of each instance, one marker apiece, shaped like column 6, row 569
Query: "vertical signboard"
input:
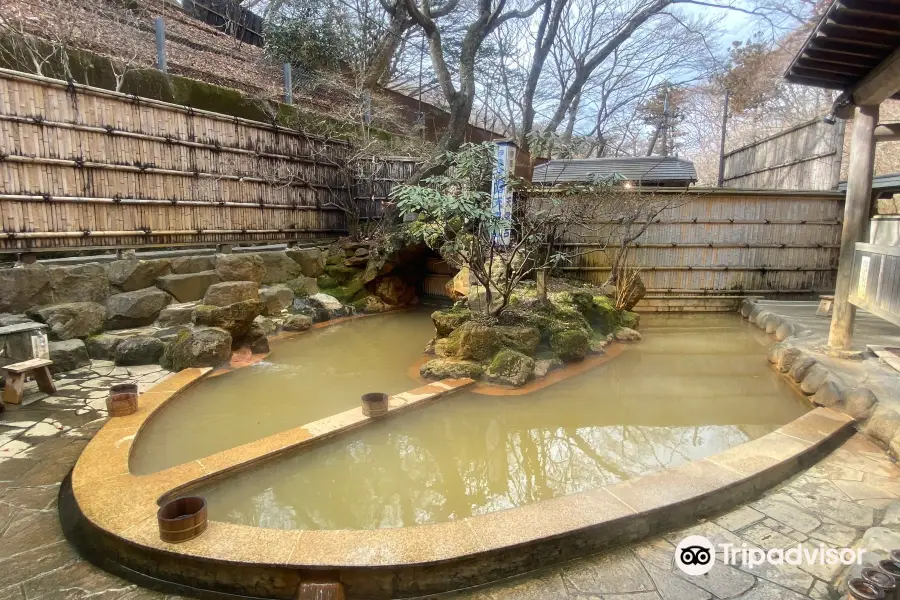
column 501, row 192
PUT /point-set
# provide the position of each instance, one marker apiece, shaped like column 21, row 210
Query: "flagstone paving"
column 850, row 498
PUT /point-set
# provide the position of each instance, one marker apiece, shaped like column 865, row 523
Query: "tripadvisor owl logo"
column 695, row 555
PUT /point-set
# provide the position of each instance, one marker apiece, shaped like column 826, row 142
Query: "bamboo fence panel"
column 724, row 241
column 82, row 167
column 805, row 157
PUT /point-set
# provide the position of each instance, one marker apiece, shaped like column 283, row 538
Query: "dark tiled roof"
column 640, row 169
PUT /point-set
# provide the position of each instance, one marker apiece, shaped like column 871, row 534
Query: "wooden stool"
column 39, row 368
column 826, row 303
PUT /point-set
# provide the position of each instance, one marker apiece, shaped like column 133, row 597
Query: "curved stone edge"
column 114, row 514
column 821, row 384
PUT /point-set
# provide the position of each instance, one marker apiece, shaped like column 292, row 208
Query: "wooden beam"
column 856, row 216
column 881, row 83
column 888, row 132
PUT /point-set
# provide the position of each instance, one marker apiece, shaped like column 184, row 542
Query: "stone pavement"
column 39, row 443
column 849, row 498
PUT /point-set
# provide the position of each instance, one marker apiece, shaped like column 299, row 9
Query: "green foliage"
column 312, row 36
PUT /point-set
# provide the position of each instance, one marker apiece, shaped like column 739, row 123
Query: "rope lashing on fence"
column 9, row 235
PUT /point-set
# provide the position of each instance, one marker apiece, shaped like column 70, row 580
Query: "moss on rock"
column 445, row 321
column 443, row 368
column 510, row 368
column 342, row 274
column 570, row 345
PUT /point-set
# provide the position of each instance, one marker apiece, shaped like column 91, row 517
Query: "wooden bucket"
column 182, row 519
column 374, row 404
column 123, row 399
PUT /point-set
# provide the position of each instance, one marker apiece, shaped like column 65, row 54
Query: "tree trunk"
column 379, row 70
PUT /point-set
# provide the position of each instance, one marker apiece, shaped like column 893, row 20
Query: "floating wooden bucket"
column 374, row 404
column 182, row 519
column 123, row 399
column 321, row 591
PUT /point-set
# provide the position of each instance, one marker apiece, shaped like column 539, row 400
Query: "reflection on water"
column 306, row 378
column 695, row 386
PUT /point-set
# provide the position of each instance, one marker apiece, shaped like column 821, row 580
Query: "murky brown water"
column 695, row 386
column 306, row 378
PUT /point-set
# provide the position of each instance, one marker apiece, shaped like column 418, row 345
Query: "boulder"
column 297, row 323
column 72, row 320
column 80, row 283
column 303, row 286
column 521, row 338
column 311, row 260
column 443, row 368
column 22, row 288
column 131, row 275
column 235, row 318
column 860, row 403
column 275, row 299
column 626, row 334
column 68, row 355
column 393, row 290
column 332, row 307
column 229, row 292
column 372, row 304
column 883, row 425
column 193, row 264
column 815, row 377
column 773, row 354
column 445, row 321
column 302, row 306
column 103, row 346
column 326, row 282
column 176, row 314
column 279, row 268
column 510, row 368
column 135, row 309
column 629, row 319
column 784, row 331
column 544, row 366
column 139, row 350
column 341, row 274
column 830, row 394
column 240, row 267
column 444, row 347
column 202, row 347
column 788, row 358
column 458, row 287
column 773, row 322
column 801, row 367
column 188, row 287
column 476, row 341
column 257, row 340
column 570, row 345
column 353, row 290
column 268, row 326
column 170, row 333
column 747, row 305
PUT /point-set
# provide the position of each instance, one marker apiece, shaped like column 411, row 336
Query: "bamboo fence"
column 723, row 241
column 83, row 167
column 805, row 157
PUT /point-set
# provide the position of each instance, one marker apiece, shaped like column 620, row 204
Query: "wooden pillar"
column 856, row 214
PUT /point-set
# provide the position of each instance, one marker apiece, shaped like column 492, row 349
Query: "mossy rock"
column 446, row 347
column 235, row 318
column 303, row 286
column 202, row 347
column 336, row 258
column 603, row 315
column 443, row 368
column 327, row 282
column 445, row 321
column 570, row 345
column 509, row 367
column 476, row 341
column 629, row 319
column 342, row 274
column 354, row 290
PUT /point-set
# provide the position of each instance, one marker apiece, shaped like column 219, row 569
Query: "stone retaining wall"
column 146, row 311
